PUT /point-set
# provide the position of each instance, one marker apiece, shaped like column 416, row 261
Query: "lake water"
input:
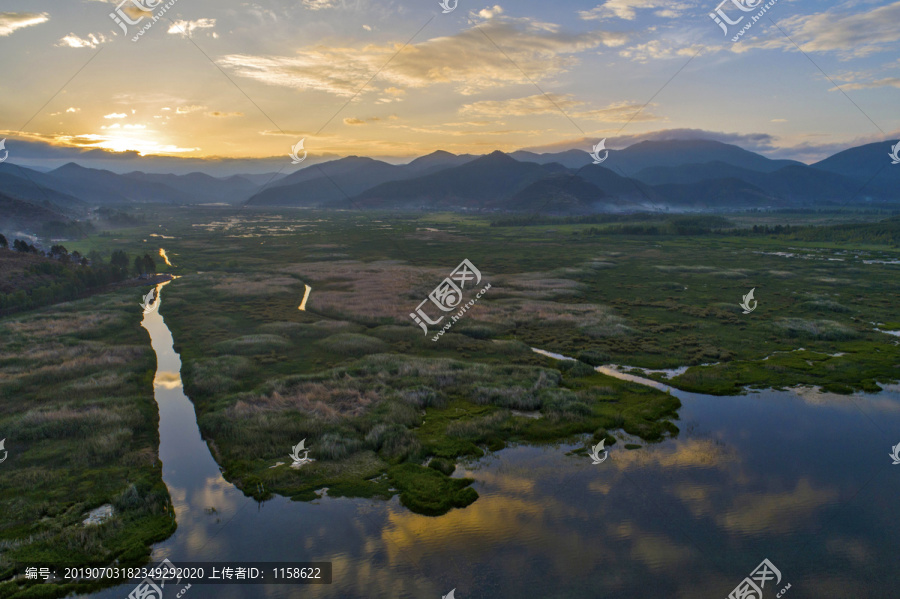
column 800, row 478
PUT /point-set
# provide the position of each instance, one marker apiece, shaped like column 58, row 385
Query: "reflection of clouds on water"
column 776, row 512
column 167, row 380
column 814, row 396
column 689, row 453
column 652, row 549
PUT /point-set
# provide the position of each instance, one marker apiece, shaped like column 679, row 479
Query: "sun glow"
column 131, row 141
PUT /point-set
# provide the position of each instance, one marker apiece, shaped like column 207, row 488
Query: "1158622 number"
column 314, row 573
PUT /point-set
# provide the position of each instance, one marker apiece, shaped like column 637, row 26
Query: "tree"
column 138, row 265
column 119, row 259
column 58, row 250
column 20, row 246
column 3, row 242
column 149, row 264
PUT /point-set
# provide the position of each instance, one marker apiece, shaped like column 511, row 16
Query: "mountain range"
column 676, row 175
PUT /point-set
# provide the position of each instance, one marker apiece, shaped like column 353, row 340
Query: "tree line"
column 68, row 275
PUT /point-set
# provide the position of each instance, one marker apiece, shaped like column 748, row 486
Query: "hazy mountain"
column 570, row 158
column 200, row 187
column 327, row 183
column 480, row 183
column 105, row 187
column 616, row 185
column 338, row 180
column 648, row 154
column 557, row 194
column 869, row 165
column 688, row 173
column 19, row 215
column 27, row 185
column 719, row 194
column 796, row 183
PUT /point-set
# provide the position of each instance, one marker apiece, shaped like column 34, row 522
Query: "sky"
column 399, row 79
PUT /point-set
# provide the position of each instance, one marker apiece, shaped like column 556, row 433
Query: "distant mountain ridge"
column 672, row 174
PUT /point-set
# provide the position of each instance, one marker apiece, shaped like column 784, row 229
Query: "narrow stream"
column 800, row 478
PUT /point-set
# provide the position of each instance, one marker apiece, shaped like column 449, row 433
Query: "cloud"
column 73, row 41
column 320, row 4
column 216, row 113
column 189, row 109
column 117, row 142
column 72, row 109
column 888, row 82
column 490, row 13
column 356, row 121
column 659, row 49
column 627, row 9
column 10, row 21
column 539, row 104
column 852, row 36
column 464, row 59
column 115, row 115
column 186, row 28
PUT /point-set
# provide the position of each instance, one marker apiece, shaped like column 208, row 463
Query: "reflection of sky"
column 806, row 484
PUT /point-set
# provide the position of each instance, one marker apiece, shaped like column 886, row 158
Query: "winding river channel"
column 800, row 478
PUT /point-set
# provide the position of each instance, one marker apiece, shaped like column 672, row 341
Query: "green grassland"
column 77, row 412
column 387, row 411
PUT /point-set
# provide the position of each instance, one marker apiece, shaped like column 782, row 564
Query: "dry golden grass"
column 56, row 325
column 257, row 285
column 328, row 402
column 58, row 360
column 389, row 289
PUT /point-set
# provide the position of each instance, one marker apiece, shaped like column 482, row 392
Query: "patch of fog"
column 99, row 515
column 161, row 236
column 881, row 261
column 534, row 414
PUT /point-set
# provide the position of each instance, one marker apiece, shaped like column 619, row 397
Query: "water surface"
column 801, row 478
